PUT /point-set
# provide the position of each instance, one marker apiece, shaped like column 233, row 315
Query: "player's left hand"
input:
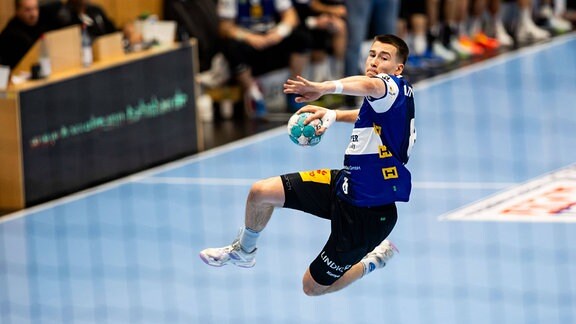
column 327, row 116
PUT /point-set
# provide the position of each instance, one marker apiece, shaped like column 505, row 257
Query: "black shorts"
column 355, row 231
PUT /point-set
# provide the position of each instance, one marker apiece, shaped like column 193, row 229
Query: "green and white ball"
column 304, row 135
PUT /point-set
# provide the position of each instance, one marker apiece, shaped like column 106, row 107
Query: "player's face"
column 28, row 12
column 382, row 58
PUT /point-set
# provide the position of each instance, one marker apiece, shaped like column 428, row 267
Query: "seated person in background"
column 21, row 32
column 82, row 12
column 325, row 21
column 255, row 41
column 79, row 12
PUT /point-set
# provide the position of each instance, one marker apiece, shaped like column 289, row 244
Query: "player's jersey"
column 259, row 16
column 380, row 144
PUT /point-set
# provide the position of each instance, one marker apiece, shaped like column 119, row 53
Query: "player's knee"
column 267, row 191
column 312, row 291
column 310, row 287
column 258, row 191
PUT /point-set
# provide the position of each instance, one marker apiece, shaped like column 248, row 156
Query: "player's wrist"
column 338, row 86
column 329, row 118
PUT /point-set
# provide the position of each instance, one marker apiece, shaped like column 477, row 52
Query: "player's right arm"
column 354, row 86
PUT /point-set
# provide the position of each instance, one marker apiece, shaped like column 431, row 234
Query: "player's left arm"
column 328, row 116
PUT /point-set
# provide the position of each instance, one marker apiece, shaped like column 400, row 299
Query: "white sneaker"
column 232, row 253
column 546, row 11
column 559, row 24
column 419, row 45
column 502, row 36
column 439, row 50
column 528, row 31
column 218, row 74
column 459, row 49
column 380, row 255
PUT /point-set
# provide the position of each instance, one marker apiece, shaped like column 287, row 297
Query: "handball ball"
column 304, row 135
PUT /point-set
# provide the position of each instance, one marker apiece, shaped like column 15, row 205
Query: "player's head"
column 388, row 55
column 27, row 11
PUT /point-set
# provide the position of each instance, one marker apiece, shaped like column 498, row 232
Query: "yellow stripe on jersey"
column 377, row 129
column 319, row 176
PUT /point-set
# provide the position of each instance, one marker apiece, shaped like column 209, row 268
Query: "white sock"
column 255, row 92
column 370, row 264
column 526, row 16
column 248, row 240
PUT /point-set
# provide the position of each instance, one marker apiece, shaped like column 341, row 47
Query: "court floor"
column 127, row 251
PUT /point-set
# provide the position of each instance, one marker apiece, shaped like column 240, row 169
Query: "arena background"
column 493, row 137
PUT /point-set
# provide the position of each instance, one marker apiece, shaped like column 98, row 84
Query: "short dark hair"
column 397, row 42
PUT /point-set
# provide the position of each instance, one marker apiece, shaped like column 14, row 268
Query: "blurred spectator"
column 78, row 12
column 495, row 26
column 412, row 26
column 258, row 37
column 21, row 32
column 379, row 16
column 56, row 14
column 523, row 22
column 197, row 19
column 551, row 13
column 570, row 12
column 325, row 21
column 442, row 32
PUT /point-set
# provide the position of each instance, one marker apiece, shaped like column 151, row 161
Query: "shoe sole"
column 209, row 261
column 212, row 263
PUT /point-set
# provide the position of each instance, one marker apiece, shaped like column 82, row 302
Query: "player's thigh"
column 310, row 191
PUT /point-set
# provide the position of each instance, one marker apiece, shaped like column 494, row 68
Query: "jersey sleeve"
column 382, row 104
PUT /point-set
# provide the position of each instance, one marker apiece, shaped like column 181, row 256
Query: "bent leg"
column 376, row 259
column 264, row 196
column 312, row 288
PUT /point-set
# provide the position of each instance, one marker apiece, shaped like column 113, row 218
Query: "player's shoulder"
column 391, row 77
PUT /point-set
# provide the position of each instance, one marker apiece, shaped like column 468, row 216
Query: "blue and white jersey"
column 259, row 16
column 380, row 144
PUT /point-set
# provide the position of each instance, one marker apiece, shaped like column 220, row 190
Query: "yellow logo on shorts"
column 319, row 176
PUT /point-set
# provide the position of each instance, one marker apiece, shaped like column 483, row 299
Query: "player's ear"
column 399, row 69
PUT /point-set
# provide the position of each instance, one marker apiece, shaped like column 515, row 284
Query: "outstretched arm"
column 354, row 86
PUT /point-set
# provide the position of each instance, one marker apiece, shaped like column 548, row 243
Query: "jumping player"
column 359, row 200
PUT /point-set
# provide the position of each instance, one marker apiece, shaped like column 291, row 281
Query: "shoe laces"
column 235, row 246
